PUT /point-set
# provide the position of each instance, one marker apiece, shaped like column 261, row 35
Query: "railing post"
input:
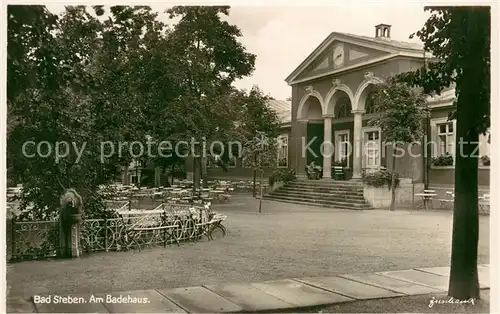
column 106, row 234
column 164, row 223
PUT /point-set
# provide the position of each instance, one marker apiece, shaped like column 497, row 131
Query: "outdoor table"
column 484, row 202
column 426, row 199
column 140, row 212
column 156, row 194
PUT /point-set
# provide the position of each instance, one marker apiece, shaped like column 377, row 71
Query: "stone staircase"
column 325, row 193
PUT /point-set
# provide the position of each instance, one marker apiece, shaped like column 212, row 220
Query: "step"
column 330, row 196
column 321, row 183
column 319, row 201
column 329, row 181
column 324, row 205
column 323, row 189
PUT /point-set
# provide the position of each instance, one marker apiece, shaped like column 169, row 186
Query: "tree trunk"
column 204, row 175
column 137, row 177
column 172, row 174
column 254, row 192
column 261, row 189
column 464, row 283
column 196, row 173
column 428, row 153
column 126, row 177
column 393, row 179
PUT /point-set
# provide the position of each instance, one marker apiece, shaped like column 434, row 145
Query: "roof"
column 282, row 108
column 391, row 42
column 393, row 47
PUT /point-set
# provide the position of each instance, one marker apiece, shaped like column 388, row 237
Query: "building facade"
column 332, row 103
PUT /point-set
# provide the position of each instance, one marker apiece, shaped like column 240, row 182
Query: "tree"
column 257, row 116
column 400, row 112
column 260, row 153
column 48, row 102
column 76, row 80
column 212, row 59
column 459, row 39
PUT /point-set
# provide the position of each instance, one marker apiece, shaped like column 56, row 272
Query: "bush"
column 486, row 160
column 282, row 175
column 341, row 163
column 443, row 160
column 380, row 178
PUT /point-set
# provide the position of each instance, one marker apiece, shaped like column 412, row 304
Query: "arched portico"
column 364, row 89
column 310, row 106
column 335, row 94
column 359, row 108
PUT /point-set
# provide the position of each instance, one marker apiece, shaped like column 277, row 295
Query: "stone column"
column 300, row 157
column 357, row 149
column 327, row 149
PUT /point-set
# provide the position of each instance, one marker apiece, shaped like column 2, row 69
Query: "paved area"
column 275, row 295
column 285, row 241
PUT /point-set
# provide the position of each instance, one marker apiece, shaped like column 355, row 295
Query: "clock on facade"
column 338, row 55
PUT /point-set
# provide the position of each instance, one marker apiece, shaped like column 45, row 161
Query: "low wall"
column 446, row 175
column 381, row 197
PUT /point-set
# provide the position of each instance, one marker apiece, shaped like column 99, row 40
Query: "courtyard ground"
column 285, row 241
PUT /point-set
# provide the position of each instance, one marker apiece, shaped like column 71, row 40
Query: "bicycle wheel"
column 189, row 229
column 219, row 231
column 178, row 231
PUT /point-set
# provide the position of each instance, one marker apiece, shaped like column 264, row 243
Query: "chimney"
column 383, row 31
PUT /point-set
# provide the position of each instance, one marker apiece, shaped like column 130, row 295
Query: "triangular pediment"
column 341, row 51
column 339, row 55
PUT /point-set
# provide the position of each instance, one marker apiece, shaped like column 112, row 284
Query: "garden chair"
column 448, row 199
column 484, row 203
column 338, row 172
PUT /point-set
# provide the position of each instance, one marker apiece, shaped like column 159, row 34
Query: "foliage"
column 341, row 163
column 444, row 35
column 380, row 178
column 77, row 78
column 459, row 39
column 314, row 171
column 401, row 110
column 282, row 175
column 260, row 152
column 486, row 160
column 443, row 160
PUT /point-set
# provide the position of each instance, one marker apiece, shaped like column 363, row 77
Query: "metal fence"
column 40, row 239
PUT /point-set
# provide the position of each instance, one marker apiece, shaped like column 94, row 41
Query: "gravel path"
column 285, row 241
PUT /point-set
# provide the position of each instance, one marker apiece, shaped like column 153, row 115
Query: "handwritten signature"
column 451, row 300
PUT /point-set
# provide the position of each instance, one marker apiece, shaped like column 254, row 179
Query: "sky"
column 283, row 36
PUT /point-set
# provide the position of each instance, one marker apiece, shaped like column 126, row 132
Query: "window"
column 283, row 151
column 446, row 139
column 443, row 142
column 371, row 148
column 343, row 148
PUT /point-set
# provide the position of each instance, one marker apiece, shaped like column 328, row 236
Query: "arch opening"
column 310, row 109
column 366, row 98
column 339, row 104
